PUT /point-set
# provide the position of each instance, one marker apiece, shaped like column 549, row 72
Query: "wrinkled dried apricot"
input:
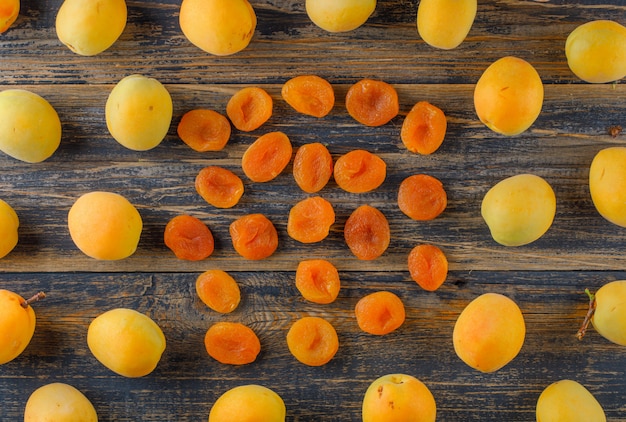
column 189, row 238
column 232, row 343
column 359, row 171
column 372, row 102
column 218, row 186
column 424, row 128
column 380, row 313
column 313, row 341
column 309, row 94
column 428, row 266
column 204, row 130
column 267, row 157
column 249, row 108
column 422, row 197
column 312, row 167
column 254, row 236
column 310, row 220
column 218, row 290
column 367, row 233
column 318, row 281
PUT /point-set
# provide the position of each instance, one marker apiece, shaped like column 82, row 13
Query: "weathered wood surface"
column 547, row 278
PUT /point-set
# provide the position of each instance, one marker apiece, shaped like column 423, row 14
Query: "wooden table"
column 546, row 278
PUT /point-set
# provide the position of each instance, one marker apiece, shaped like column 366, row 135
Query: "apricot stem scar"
column 592, row 308
column 35, row 298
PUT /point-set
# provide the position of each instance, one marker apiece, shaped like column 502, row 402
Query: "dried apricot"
column 318, row 281
column 312, row 167
column 367, row 233
column 310, row 220
column 249, row 108
column 309, row 94
column 313, row 341
column 380, row 313
column 372, row 102
column 428, row 266
column 424, row 128
column 267, row 157
column 422, row 197
column 218, row 290
column 254, row 236
column 232, row 343
column 218, row 186
column 204, row 130
column 189, row 238
column 359, row 171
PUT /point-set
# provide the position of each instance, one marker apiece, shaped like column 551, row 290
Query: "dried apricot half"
column 359, row 171
column 218, row 186
column 204, row 130
column 218, row 290
column 318, row 281
column 367, row 233
column 254, row 236
column 309, row 220
column 249, row 108
column 380, row 313
column 428, row 266
column 267, row 157
column 372, row 102
column 424, row 128
column 313, row 341
column 422, row 197
column 312, row 167
column 309, row 94
column 189, row 238
column 232, row 343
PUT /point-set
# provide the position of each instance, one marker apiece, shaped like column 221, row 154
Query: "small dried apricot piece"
column 232, row 343
column 424, row 128
column 372, row 102
column 367, row 233
column 249, row 108
column 422, row 197
column 359, row 171
column 254, row 236
column 312, row 167
column 309, row 94
column 318, row 281
column 189, row 238
column 428, row 266
column 310, row 220
column 313, row 341
column 380, row 313
column 204, row 130
column 267, row 157
column 218, row 290
column 218, row 186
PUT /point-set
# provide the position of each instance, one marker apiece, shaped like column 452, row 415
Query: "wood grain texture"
column 547, row 278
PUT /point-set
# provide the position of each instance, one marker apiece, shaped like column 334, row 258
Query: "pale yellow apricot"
column 105, row 225
column 444, row 24
column 339, row 15
column 59, row 402
column 9, row 10
column 248, row 403
column 398, row 397
column 609, row 318
column 9, row 223
column 568, row 401
column 607, row 184
column 17, row 325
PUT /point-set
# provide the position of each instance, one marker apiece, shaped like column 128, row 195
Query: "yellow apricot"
column 104, row 225
column 609, row 318
column 508, row 97
column 339, row 15
column 127, row 342
column 607, row 184
column 139, row 112
column 596, row 51
column 89, row 27
column 9, row 223
column 568, row 401
column 219, row 27
column 30, row 129
column 396, row 398
column 59, row 402
column 248, row 403
column 445, row 23
column 9, row 10
column 17, row 325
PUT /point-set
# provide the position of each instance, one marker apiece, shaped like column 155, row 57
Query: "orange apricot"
column 249, row 108
column 372, row 102
column 367, row 233
column 312, row 167
column 232, row 343
column 428, row 266
column 254, row 236
column 318, row 281
column 424, row 128
column 218, row 290
column 422, row 197
column 380, row 313
column 204, row 130
column 219, row 187
column 267, row 157
column 310, row 220
column 313, row 341
column 189, row 238
column 309, row 94
column 359, row 171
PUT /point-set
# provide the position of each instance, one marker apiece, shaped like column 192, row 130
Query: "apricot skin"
column 9, row 223
column 398, row 398
column 248, row 403
column 607, row 184
column 609, row 318
column 444, row 24
column 59, row 402
column 17, row 326
column 339, row 15
column 568, row 401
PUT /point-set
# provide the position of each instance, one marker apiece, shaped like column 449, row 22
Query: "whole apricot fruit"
column 59, row 402
column 339, row 15
column 609, row 317
column 17, row 325
column 9, row 223
column 127, row 342
column 248, row 403
column 9, row 10
column 104, row 225
column 568, row 401
column 445, row 23
column 607, row 184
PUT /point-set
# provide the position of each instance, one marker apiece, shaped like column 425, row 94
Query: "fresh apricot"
column 249, row 108
column 380, row 313
column 310, row 220
column 204, row 130
column 424, row 128
column 422, row 197
column 398, row 397
column 218, row 186
column 267, row 157
column 254, row 236
column 9, row 10
column 318, row 281
column 428, row 266
column 359, row 171
column 59, row 402
column 17, row 324
column 248, row 403
column 444, row 24
column 339, row 15
column 309, row 94
column 372, row 102
column 189, row 238
column 367, row 233
column 9, row 224
column 232, row 343
column 607, row 184
column 218, row 290
column 313, row 341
